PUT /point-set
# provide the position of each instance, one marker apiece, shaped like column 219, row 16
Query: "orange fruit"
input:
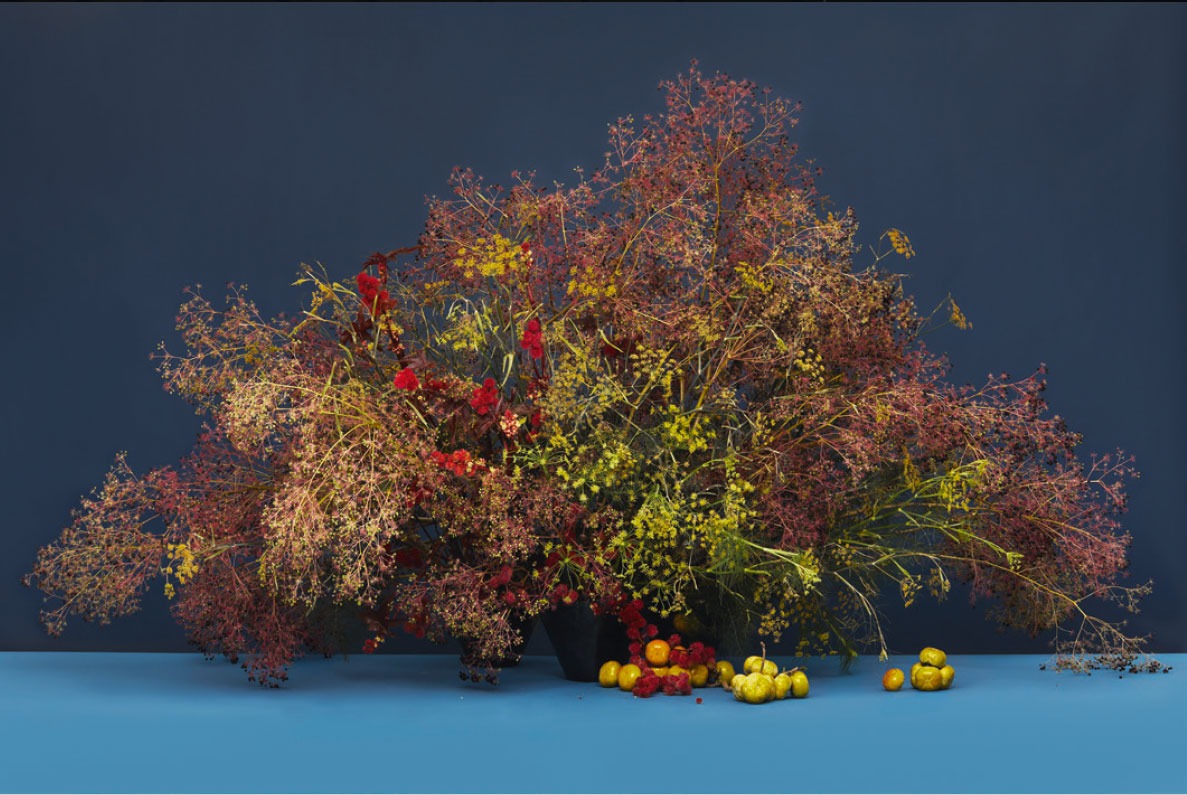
column 657, row 652
column 893, row 679
column 608, row 675
column 627, row 675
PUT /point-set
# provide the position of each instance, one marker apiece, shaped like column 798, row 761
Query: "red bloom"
column 406, row 379
column 485, row 397
column 376, row 300
column 458, row 462
column 533, row 339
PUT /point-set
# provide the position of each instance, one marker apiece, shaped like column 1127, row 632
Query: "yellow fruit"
column 698, row 676
column 799, row 684
column 892, row 680
column 662, row 671
column 914, row 668
column 933, row 656
column 736, row 682
column 737, row 690
column 657, row 653
column 627, row 675
column 757, row 665
column 725, row 672
column 608, row 675
column 757, row 688
column 947, row 674
column 782, row 686
column 676, row 670
column 927, row 678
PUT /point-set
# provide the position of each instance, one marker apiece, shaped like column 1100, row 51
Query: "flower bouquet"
column 669, row 385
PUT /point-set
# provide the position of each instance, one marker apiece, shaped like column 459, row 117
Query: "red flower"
column 533, row 339
column 485, row 397
column 376, row 300
column 406, row 379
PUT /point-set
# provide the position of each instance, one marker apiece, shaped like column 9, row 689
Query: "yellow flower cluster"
column 465, row 330
column 685, row 431
column 656, row 567
column 754, row 277
column 653, row 367
column 957, row 317
column 957, row 484
column 909, row 586
column 938, row 583
column 585, row 282
column 810, row 363
column 495, row 256
column 180, row 564
column 900, row 242
column 612, row 464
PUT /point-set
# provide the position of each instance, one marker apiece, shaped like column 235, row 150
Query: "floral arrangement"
column 670, row 384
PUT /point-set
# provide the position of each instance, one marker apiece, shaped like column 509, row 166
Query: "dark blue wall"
column 1034, row 154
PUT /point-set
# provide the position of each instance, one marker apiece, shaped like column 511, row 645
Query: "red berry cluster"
column 459, row 462
column 485, row 397
column 406, row 379
column 533, row 339
column 376, row 300
column 565, row 595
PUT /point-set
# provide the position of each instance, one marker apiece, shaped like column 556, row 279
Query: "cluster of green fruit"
column 762, row 681
column 932, row 672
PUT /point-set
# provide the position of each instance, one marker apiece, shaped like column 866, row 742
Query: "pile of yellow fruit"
column 932, row 672
column 762, row 681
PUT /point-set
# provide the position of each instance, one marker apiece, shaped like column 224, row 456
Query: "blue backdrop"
column 1034, row 154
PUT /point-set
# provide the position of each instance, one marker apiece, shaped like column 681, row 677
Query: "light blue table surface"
column 74, row 722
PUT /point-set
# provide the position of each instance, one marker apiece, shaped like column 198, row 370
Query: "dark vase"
column 584, row 641
column 523, row 627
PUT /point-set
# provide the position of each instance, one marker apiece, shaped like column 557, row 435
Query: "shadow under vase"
column 583, row 640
